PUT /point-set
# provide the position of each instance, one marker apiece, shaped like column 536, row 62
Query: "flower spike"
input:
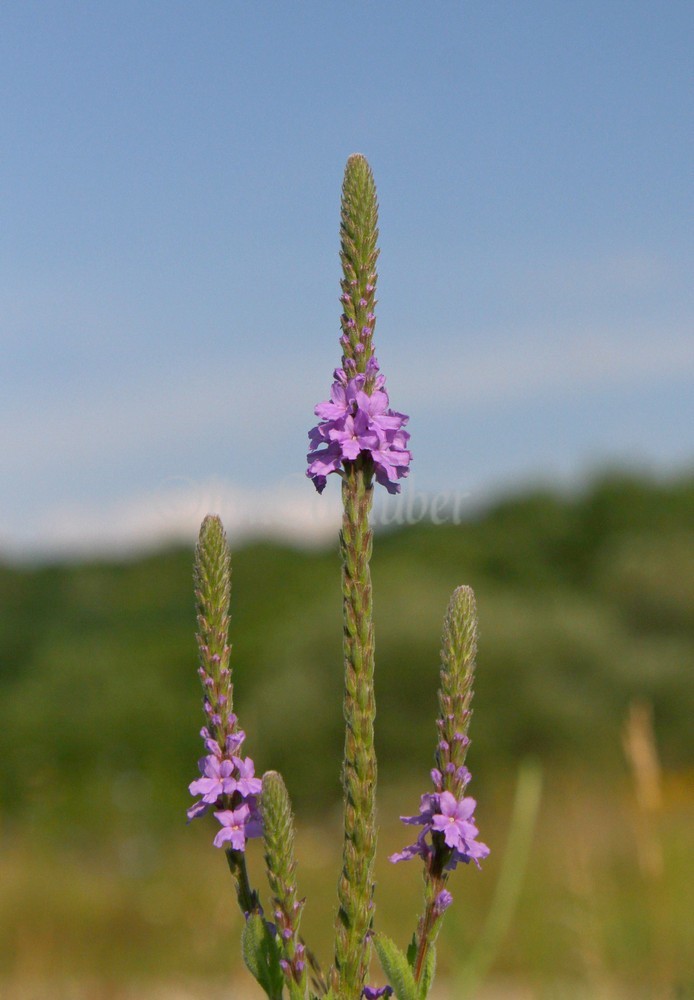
column 227, row 785
column 356, row 423
column 449, row 835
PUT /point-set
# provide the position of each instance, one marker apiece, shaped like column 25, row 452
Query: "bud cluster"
column 358, row 254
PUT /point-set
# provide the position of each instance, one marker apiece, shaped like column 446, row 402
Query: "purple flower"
column 355, row 422
column 441, row 813
column 233, row 827
column 353, row 434
column 420, row 849
column 374, row 992
column 254, row 823
column 342, row 395
column 198, row 808
column 224, row 777
column 210, row 745
column 323, row 463
column 217, row 779
column 452, row 819
column 428, row 805
column 442, row 902
column 246, row 783
column 474, row 850
column 234, row 741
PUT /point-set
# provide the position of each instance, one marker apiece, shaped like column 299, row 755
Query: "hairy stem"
column 247, row 897
column 356, row 885
column 429, row 923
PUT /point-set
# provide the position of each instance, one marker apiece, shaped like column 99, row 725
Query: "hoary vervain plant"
column 363, row 441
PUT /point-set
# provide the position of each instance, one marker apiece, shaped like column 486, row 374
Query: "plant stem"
column 247, row 897
column 356, row 885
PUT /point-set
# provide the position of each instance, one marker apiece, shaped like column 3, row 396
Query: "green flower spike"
column 278, row 831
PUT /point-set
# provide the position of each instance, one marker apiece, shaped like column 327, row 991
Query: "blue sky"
column 169, row 307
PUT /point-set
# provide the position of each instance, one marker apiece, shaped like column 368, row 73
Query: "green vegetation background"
column 586, row 604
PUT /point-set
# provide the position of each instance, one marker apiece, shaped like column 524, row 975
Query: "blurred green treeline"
column 585, row 604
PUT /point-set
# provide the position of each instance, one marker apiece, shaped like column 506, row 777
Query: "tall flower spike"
column 278, row 823
column 356, row 423
column 358, row 438
column 227, row 785
column 447, row 817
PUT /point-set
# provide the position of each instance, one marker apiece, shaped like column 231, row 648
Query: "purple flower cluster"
column 374, row 992
column 450, row 823
column 228, row 782
column 355, row 421
column 293, row 970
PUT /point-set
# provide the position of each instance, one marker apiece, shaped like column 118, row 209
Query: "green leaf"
column 396, row 968
column 412, row 951
column 427, row 973
column 262, row 957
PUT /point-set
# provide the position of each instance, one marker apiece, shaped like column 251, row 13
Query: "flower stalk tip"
column 357, row 424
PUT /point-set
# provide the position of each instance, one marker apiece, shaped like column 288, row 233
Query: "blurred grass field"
column 586, row 608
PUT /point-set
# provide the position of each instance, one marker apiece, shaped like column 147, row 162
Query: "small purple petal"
column 442, row 901
column 197, row 809
column 374, row 992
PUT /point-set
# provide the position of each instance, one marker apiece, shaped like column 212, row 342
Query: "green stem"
column 247, row 897
column 429, row 925
column 356, row 884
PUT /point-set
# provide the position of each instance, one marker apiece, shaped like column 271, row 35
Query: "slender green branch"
column 247, row 896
